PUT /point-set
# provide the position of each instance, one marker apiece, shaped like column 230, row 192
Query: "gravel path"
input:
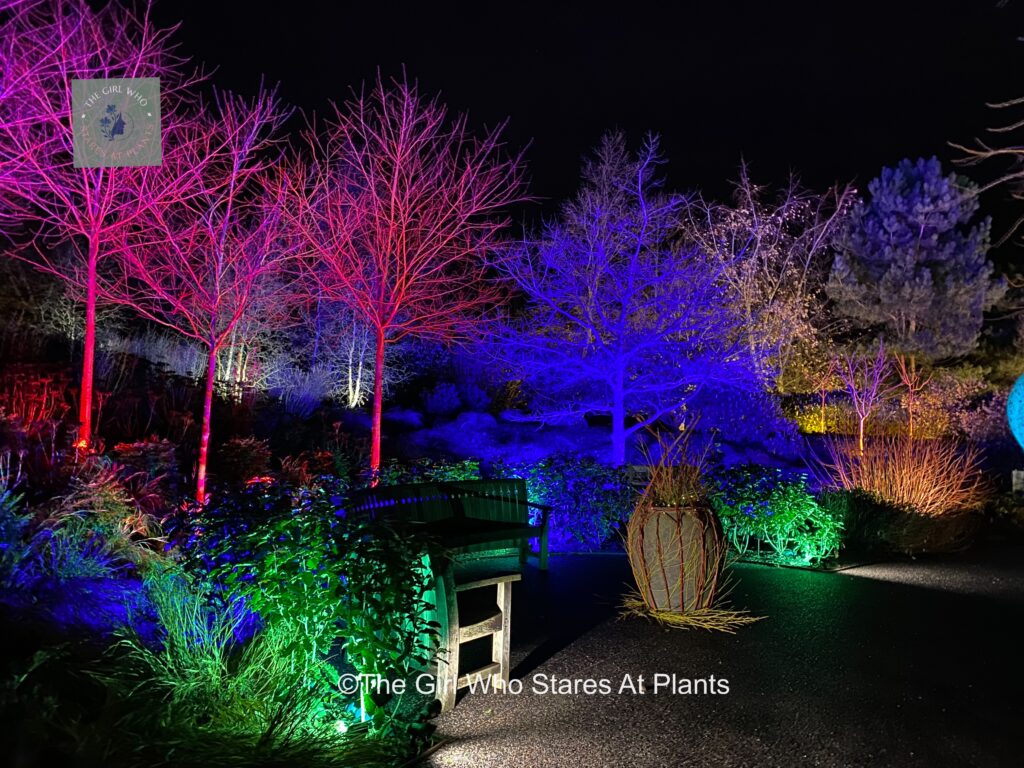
column 906, row 664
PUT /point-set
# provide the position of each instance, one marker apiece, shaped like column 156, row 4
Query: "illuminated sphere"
column 1015, row 410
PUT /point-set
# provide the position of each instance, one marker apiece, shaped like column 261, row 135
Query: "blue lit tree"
column 913, row 267
column 620, row 318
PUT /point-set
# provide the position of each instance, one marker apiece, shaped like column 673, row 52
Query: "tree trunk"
column 618, row 424
column 912, row 396
column 89, row 352
column 378, row 404
column 204, row 440
column 860, row 434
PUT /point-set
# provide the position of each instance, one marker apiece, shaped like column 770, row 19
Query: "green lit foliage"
column 332, row 582
column 275, row 549
column 385, row 612
column 590, row 501
column 761, row 506
column 393, row 472
column 15, row 550
column 200, row 694
column 201, row 672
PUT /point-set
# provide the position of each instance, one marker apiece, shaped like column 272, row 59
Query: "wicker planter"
column 677, row 555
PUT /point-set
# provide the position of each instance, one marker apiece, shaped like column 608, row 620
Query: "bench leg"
column 500, row 640
column 524, row 551
column 543, row 553
column 448, row 659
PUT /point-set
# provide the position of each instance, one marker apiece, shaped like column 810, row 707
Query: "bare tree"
column 867, row 383
column 774, row 250
column 914, row 382
column 399, row 209
column 198, row 266
column 620, row 318
column 86, row 207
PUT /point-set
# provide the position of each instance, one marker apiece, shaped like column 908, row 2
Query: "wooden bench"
column 495, row 622
column 460, row 519
column 466, row 517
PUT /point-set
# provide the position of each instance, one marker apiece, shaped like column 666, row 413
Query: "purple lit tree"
column 46, row 46
column 200, row 266
column 867, row 383
column 620, row 318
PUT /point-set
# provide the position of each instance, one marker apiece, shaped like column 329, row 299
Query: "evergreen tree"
column 912, row 266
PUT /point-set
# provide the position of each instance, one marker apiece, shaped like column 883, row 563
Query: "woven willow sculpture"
column 677, row 555
column 677, row 549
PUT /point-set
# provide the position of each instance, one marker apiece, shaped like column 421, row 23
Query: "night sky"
column 832, row 90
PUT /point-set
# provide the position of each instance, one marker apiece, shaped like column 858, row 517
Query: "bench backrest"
column 498, row 500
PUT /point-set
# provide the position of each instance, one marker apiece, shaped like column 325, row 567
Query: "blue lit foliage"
column 913, row 265
column 589, row 500
column 620, row 319
column 763, row 506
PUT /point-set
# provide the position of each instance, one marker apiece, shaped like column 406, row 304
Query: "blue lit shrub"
column 763, row 507
column 443, row 400
column 589, row 500
column 15, row 550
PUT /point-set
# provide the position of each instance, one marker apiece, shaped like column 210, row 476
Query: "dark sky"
column 833, row 90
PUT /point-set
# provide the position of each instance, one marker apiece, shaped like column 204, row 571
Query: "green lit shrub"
column 333, row 581
column 393, row 472
column 590, row 501
column 760, row 506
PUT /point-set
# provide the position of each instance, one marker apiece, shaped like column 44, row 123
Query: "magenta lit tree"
column 198, row 267
column 398, row 208
column 86, row 208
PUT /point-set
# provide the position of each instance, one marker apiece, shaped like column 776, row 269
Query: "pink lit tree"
column 45, row 47
column 867, row 382
column 200, row 266
column 399, row 207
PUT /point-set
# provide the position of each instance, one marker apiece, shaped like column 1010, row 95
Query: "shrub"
column 154, row 457
column 241, row 459
column 986, row 419
column 443, row 400
column 474, row 397
column 301, row 391
column 393, row 472
column 301, row 564
column 15, row 550
column 205, row 692
column 945, row 401
column 73, row 549
column 590, row 501
column 933, row 477
column 876, row 526
column 761, row 505
column 121, row 506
